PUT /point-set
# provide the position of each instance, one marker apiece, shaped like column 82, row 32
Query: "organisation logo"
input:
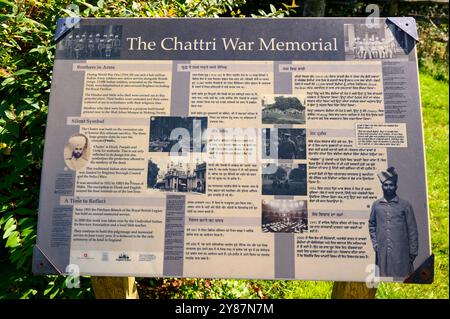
column 123, row 257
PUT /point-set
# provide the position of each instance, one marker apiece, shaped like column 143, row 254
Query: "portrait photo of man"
column 393, row 229
column 76, row 152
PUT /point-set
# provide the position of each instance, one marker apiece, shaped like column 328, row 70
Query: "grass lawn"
column 435, row 119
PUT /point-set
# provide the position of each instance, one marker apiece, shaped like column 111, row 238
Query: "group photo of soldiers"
column 284, row 143
column 177, row 134
column 284, row 179
column 91, row 42
column 364, row 43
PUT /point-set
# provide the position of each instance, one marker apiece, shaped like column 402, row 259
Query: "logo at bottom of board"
column 105, row 256
column 123, row 257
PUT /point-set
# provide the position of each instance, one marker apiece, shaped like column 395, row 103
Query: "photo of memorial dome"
column 170, row 176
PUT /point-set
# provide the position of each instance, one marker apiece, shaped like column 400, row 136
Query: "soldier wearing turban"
column 393, row 230
column 76, row 156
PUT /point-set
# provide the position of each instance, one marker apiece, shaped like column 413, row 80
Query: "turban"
column 77, row 141
column 389, row 174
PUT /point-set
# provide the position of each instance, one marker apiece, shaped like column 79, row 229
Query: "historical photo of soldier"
column 178, row 135
column 91, row 42
column 368, row 43
column 393, row 229
column 284, row 179
column 284, row 143
column 167, row 175
column 284, row 216
column 77, row 152
column 283, row 109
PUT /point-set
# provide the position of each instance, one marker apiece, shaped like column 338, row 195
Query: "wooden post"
column 114, row 287
column 352, row 290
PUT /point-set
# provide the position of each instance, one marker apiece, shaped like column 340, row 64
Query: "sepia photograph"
column 284, row 143
column 393, row 229
column 365, row 43
column 167, row 175
column 91, row 42
column 178, row 135
column 284, row 179
column 283, row 109
column 284, row 216
column 77, row 152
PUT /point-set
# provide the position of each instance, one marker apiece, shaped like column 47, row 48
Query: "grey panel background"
column 179, row 99
column 174, row 236
column 282, row 81
column 409, row 162
column 284, row 243
column 65, row 100
column 302, row 30
column 284, row 256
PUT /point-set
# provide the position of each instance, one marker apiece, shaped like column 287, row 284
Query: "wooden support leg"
column 352, row 290
column 114, row 287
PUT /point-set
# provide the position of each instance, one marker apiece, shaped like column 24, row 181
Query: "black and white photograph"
column 283, row 109
column 77, row 152
column 368, row 43
column 284, row 179
column 393, row 229
column 166, row 175
column 283, row 143
column 284, row 216
column 91, row 42
column 178, row 135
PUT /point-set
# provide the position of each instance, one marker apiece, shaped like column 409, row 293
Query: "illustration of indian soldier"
column 76, row 152
column 393, row 229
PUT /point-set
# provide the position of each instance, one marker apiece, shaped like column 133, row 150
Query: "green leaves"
column 13, row 240
column 8, row 81
column 10, row 115
column 8, row 231
column 26, row 59
column 274, row 12
column 22, row 71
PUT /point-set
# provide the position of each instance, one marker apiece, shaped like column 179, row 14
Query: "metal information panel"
column 235, row 148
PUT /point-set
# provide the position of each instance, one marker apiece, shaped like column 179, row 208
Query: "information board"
column 235, row 148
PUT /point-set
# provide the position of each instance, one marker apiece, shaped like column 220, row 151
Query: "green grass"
column 284, row 289
column 437, row 70
column 435, row 119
